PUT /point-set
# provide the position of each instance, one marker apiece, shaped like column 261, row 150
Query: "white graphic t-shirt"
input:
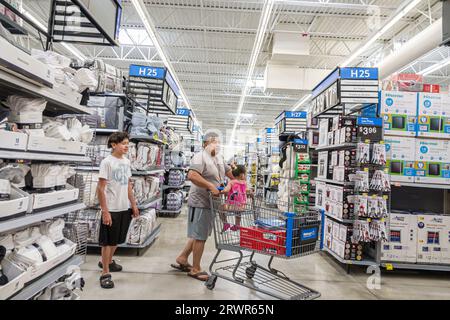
column 117, row 173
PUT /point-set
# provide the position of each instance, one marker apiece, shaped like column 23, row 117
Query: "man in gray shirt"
column 207, row 172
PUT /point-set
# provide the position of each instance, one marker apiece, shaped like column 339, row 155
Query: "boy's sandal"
column 198, row 276
column 106, row 282
column 182, row 267
column 113, row 267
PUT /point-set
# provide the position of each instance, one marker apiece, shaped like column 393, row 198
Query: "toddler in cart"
column 236, row 199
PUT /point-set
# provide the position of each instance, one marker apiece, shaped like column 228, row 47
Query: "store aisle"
column 150, row 276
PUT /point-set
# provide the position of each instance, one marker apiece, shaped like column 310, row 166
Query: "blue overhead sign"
column 359, row 73
column 147, row 72
column 270, row 130
column 183, row 112
column 296, row 114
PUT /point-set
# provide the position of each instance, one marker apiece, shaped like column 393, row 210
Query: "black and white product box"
column 16, row 206
column 402, row 240
column 324, row 126
column 339, row 201
column 320, row 195
column 337, row 238
column 322, row 171
column 346, row 163
column 52, row 145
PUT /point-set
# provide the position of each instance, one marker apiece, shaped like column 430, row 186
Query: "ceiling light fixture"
column 435, row 67
column 398, row 15
column 151, row 30
column 302, row 102
column 260, row 35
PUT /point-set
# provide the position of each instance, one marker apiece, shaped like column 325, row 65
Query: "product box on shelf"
column 52, row 145
column 402, row 239
column 40, row 269
column 432, row 161
column 24, row 66
column 322, row 171
column 338, row 247
column 399, row 112
column 433, row 112
column 25, row 118
column 13, row 140
column 16, row 279
column 401, row 157
column 15, row 207
column 320, row 194
column 433, row 239
column 336, row 227
column 324, row 125
column 69, row 95
column 345, row 232
column 42, row 201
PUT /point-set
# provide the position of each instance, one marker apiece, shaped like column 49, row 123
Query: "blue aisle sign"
column 147, row 72
column 359, row 73
column 270, row 130
column 183, row 112
column 296, row 114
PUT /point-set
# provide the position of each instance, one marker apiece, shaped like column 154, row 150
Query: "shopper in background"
column 115, row 195
column 207, row 172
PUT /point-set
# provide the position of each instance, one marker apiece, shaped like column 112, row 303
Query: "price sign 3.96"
column 370, row 129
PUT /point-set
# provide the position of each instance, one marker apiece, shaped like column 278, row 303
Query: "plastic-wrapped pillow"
column 7, row 242
column 23, row 104
column 53, row 230
column 26, row 237
column 51, row 58
column 86, row 79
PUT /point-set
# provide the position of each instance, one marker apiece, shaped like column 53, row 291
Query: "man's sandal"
column 106, row 282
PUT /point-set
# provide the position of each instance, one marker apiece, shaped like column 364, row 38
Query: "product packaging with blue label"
column 399, row 112
column 432, row 163
column 401, row 156
column 433, row 115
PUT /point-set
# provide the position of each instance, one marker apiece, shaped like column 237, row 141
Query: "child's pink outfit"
column 237, row 199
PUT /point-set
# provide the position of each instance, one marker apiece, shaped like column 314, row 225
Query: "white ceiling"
column 209, row 43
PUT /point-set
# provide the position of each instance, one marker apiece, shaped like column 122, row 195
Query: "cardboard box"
column 401, row 157
column 399, row 112
column 17, row 206
column 51, row 145
column 430, row 121
column 402, row 244
column 42, row 201
column 322, row 171
column 432, row 163
column 432, row 239
column 13, row 140
column 25, row 118
column 24, row 66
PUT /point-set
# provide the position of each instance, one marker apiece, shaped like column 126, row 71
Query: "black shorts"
column 117, row 232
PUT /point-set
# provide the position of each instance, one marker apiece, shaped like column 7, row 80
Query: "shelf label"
column 359, row 73
column 147, row 72
column 370, row 128
column 389, row 266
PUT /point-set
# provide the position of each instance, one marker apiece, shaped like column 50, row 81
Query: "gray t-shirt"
column 212, row 169
column 117, row 172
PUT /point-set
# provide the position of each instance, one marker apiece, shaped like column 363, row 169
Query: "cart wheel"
column 211, row 282
column 250, row 272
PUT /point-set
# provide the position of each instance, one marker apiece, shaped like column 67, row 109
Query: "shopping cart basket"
column 257, row 228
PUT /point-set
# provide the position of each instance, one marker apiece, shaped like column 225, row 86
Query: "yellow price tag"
column 367, row 141
column 374, row 196
column 385, row 197
column 389, row 266
column 381, row 142
column 382, row 220
column 369, row 220
column 365, row 194
column 366, row 169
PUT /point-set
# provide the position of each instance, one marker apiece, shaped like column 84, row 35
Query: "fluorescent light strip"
column 302, row 102
column 149, row 27
column 392, row 21
column 68, row 47
column 263, row 22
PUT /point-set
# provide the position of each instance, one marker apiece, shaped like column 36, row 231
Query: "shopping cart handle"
column 220, row 188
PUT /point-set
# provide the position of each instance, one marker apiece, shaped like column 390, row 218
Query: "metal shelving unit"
column 412, row 266
column 25, row 155
column 150, row 239
column 420, row 185
column 350, row 262
column 56, row 103
column 336, row 147
column 339, row 219
column 334, row 182
column 148, row 139
column 47, row 279
column 32, row 218
column 150, row 203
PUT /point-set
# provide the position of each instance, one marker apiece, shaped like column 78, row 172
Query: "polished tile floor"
column 150, row 276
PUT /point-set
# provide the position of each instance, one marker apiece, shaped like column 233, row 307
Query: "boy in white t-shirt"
column 115, row 195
